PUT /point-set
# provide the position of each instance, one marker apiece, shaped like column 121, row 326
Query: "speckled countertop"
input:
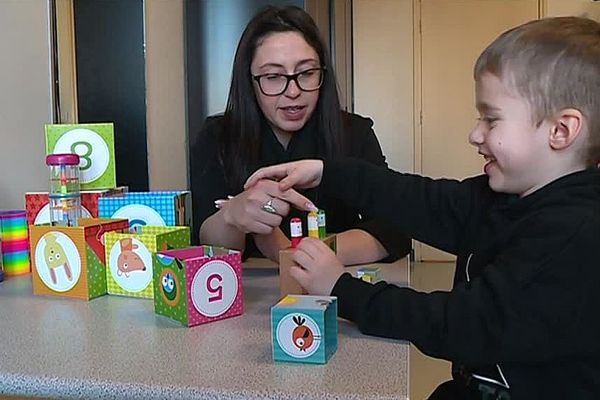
column 117, row 348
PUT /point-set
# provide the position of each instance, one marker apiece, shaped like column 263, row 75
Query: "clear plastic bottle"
column 64, row 196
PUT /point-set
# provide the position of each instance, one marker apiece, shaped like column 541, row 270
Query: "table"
column 116, row 347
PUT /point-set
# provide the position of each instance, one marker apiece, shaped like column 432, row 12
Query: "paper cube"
column 369, row 274
column 198, row 285
column 38, row 209
column 95, row 145
column 149, row 208
column 129, row 257
column 304, row 329
column 70, row 261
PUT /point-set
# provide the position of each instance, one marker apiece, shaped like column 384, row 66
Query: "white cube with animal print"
column 304, row 329
column 70, row 261
column 198, row 285
column 129, row 257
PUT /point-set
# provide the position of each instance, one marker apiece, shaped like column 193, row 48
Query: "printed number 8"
column 84, row 156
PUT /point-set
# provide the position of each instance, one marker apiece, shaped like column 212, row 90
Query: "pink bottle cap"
column 62, row 159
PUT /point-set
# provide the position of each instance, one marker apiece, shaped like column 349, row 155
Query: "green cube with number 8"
column 95, row 145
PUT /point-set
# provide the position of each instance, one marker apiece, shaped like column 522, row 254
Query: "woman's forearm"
column 270, row 245
column 356, row 246
column 215, row 231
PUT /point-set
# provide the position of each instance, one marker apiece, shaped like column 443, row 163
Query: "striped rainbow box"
column 15, row 242
column 169, row 208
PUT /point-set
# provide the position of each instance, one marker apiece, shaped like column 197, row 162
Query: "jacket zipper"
column 483, row 378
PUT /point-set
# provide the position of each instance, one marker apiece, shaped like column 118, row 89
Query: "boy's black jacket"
column 525, row 306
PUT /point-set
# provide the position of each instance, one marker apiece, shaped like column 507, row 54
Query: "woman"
column 283, row 105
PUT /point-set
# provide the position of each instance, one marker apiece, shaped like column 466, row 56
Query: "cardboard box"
column 198, row 285
column 70, row 261
column 129, row 257
column 171, row 208
column 304, row 329
column 95, row 145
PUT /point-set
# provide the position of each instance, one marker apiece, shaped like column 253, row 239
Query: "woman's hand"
column 247, row 212
column 259, row 208
column 303, row 174
column 319, row 267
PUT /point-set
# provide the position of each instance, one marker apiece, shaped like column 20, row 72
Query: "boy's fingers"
column 310, row 246
column 300, row 275
column 304, row 259
column 273, row 172
column 290, row 180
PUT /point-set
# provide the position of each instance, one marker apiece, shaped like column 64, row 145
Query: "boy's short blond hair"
column 553, row 63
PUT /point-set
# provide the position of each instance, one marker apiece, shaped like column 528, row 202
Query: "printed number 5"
column 218, row 290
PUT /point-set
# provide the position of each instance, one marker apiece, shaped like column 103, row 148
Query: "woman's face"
column 285, row 53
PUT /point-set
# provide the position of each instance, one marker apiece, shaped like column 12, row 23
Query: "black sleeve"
column 434, row 212
column 362, row 143
column 207, row 178
column 526, row 307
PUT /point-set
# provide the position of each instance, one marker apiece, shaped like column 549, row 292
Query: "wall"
column 582, row 8
column 383, row 74
column 25, row 98
column 165, row 95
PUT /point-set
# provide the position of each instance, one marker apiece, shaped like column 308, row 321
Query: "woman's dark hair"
column 240, row 141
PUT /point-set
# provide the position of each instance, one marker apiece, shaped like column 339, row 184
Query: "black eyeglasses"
column 272, row 84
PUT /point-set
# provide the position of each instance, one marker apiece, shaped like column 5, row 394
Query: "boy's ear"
column 567, row 125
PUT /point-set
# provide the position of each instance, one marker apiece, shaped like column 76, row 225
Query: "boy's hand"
column 303, row 174
column 319, row 267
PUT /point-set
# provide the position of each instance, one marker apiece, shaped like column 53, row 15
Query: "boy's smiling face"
column 516, row 152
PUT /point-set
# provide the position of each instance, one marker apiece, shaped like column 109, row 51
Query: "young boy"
column 522, row 320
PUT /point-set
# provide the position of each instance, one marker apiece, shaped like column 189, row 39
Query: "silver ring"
column 268, row 207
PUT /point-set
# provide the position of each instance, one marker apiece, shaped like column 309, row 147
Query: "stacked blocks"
column 70, row 261
column 304, row 329
column 171, row 208
column 198, row 284
column 129, row 257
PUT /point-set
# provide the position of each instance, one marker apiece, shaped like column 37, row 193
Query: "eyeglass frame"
column 290, row 77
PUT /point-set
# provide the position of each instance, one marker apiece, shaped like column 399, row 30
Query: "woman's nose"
column 292, row 90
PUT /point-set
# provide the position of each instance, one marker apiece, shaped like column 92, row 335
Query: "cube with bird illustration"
column 129, row 257
column 304, row 329
column 198, row 285
column 70, row 261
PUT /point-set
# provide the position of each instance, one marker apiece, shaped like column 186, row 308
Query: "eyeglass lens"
column 274, row 84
